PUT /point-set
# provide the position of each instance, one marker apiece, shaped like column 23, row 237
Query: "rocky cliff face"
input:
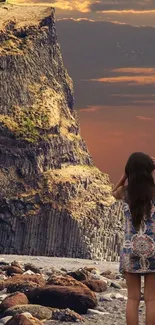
column 53, row 201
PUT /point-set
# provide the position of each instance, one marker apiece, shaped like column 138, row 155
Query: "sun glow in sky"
column 64, row 5
column 122, row 11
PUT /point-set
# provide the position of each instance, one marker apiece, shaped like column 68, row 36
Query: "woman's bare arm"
column 153, row 159
column 121, row 182
column 118, row 190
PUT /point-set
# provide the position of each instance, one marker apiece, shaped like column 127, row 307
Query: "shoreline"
column 59, row 262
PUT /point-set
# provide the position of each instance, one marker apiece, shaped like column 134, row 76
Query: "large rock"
column 14, row 299
column 22, row 286
column 75, row 298
column 64, row 280
column 80, row 274
column 54, row 201
column 20, row 282
column 11, row 270
column 17, row 264
column 40, row 312
column 96, row 285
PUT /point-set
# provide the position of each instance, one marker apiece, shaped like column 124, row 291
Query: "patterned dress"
column 138, row 251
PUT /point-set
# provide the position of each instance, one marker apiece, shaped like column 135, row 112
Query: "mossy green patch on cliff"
column 25, row 130
column 27, row 122
column 44, row 118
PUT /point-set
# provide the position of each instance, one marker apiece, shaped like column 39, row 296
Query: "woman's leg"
column 134, row 294
column 149, row 297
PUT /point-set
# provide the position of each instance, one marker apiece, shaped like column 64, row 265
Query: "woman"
column 138, row 251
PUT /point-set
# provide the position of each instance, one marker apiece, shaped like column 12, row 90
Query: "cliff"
column 53, row 200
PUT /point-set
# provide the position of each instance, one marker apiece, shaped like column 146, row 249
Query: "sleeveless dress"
column 138, row 249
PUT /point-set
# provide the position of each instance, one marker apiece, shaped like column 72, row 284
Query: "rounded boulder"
column 17, row 298
column 75, row 298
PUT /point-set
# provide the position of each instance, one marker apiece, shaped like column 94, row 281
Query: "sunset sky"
column 138, row 12
column 109, row 50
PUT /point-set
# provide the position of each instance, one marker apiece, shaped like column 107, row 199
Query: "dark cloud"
column 96, row 50
column 106, row 5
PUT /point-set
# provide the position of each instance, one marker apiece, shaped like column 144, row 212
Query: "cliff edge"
column 53, row 200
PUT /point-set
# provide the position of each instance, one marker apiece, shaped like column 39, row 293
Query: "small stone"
column 1, row 259
column 4, row 320
column 55, row 271
column 91, row 269
column 118, row 277
column 123, row 291
column 108, row 274
column 32, row 268
column 118, row 296
column 2, row 297
column 3, row 277
column 105, row 273
column 29, row 272
column 96, row 277
column 27, row 314
column 96, row 312
column 106, row 297
column 115, row 285
column 105, row 279
column 3, row 263
column 64, row 270
column 100, row 308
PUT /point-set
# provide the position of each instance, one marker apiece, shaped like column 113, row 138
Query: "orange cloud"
column 128, row 11
column 91, row 109
column 82, row 6
column 142, row 96
column 145, row 118
column 61, row 4
column 77, row 19
column 139, row 76
column 144, row 71
column 140, row 80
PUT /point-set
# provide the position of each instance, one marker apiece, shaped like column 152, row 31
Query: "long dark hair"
column 140, row 189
